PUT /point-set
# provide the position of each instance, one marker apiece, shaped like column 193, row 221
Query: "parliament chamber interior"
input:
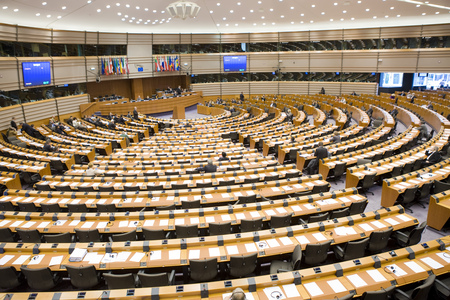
column 207, row 150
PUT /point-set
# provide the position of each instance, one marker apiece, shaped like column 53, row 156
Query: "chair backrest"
column 368, row 181
column 9, row 278
column 316, row 253
column 27, row 206
column 280, row 221
column 190, row 204
column 407, row 168
column 124, row 237
column 120, row 281
column 320, row 188
column 152, row 280
column 251, row 225
column 64, row 237
column 106, row 207
column 39, row 279
column 425, row 190
column 379, row 240
column 179, row 186
column 318, row 217
column 6, row 206
column 358, row 207
column 87, row 236
column 219, row 228
column 77, row 208
column 29, row 235
column 363, row 161
column 52, row 207
column 339, row 169
column 6, row 235
column 421, row 292
column 241, row 266
column 83, row 277
column 296, row 257
column 153, row 234
column 440, row 187
column 271, row 177
column 396, row 171
column 383, row 294
column 340, row 213
column 416, row 234
column 408, row 195
column 203, row 269
column 355, row 249
column 186, row 231
column 247, row 199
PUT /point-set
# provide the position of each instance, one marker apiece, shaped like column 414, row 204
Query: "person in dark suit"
column 210, row 167
column 320, row 153
column 13, row 123
column 336, row 137
column 241, row 96
column 48, row 147
column 135, row 114
column 223, row 157
column 370, row 111
column 111, row 125
column 433, row 157
column 273, row 104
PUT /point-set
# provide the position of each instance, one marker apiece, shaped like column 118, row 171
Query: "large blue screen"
column 235, row 63
column 36, row 73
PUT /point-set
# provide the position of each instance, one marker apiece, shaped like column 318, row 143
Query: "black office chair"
column 41, row 279
column 63, row 188
column 409, row 237
column 154, row 234
column 367, row 182
column 29, row 207
column 120, row 281
column 378, row 240
column 7, row 206
column 246, row 199
column 179, row 186
column 64, row 237
column 52, row 207
column 424, row 192
column 251, row 225
column 29, row 235
column 292, row 174
column 419, row 293
column 204, row 185
column 124, row 237
column 251, row 180
column 10, row 278
column 77, row 208
column 358, row 207
column 316, row 254
column 320, row 188
column 6, row 236
column 363, row 161
column 156, row 279
column 440, row 187
column 278, row 266
column 219, row 228
column 242, row 266
column 186, row 231
column 314, row 218
column 106, row 189
column 106, row 207
column 339, row 213
column 202, row 270
column 337, row 172
column 408, row 167
column 83, row 277
column 441, row 289
column 406, row 199
column 190, row 204
column 280, row 221
column 351, row 249
column 226, row 182
column 87, row 236
column 271, row 177
column 383, row 294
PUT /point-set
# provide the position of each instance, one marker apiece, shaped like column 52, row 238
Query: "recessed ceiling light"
column 254, row 24
column 418, row 5
column 264, row 24
column 127, row 5
column 273, row 23
column 126, row 16
column 218, row 3
column 99, row 10
column 146, row 9
column 344, row 11
column 224, row 18
column 342, row 19
column 311, row 21
column 226, row 24
column 313, row 5
column 398, row 16
column 262, row 17
column 49, row 16
column 16, row 9
column 251, row 10
column 271, row 9
column 243, row 18
column 236, row 24
column 259, row 2
column 38, row 14
column 154, row 10
column 367, row 9
column 292, row 7
column 140, row 20
column 374, row 17
column 386, row 16
column 331, row 20
column 89, row 1
column 359, row 2
column 5, row 7
column 301, row 22
column 44, row 3
column 231, row 11
column 239, row 3
column 437, row 13
column 133, row 18
column 119, row 13
column 423, row 14
column 59, row 17
column 352, row 19
column 282, row 16
column 218, row 24
column 323, row 13
column 123, row 19
column 131, row 21
column 335, row 3
column 392, row 7
column 108, row 6
column 117, row 4
column 292, row 23
column 302, row 15
column 137, row 7
column 64, row 7
column 211, row 11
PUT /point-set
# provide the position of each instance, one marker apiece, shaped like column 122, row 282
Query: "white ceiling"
column 150, row 16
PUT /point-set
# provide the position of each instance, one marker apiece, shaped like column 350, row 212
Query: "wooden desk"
column 439, row 210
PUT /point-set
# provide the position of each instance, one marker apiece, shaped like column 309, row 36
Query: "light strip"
column 422, row 3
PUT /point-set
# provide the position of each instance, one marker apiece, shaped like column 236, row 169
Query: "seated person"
column 210, row 167
column 320, row 153
column 336, row 137
column 91, row 171
column 238, row 294
column 223, row 157
column 433, row 157
column 48, row 147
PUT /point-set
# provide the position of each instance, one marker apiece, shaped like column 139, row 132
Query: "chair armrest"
column 168, row 235
column 339, row 250
column 236, row 203
column 141, row 271
column 301, row 221
column 172, row 277
column 402, row 234
column 283, row 270
column 110, row 239
column 399, row 291
column 142, row 210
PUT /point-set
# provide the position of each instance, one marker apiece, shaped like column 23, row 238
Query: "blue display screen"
column 235, row 63
column 36, row 73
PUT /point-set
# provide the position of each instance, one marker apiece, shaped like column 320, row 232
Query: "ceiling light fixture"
column 183, row 9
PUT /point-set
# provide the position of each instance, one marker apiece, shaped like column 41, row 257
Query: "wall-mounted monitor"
column 235, row 63
column 420, row 79
column 36, row 73
column 391, row 80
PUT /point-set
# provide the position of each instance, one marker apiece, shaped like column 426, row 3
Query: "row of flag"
column 167, row 63
column 114, row 65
